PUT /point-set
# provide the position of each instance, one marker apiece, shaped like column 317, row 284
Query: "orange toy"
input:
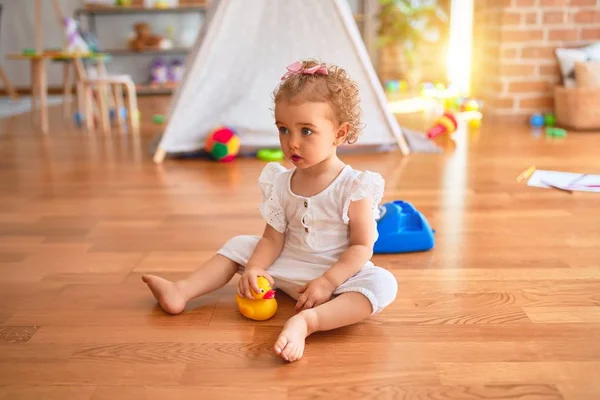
column 444, row 124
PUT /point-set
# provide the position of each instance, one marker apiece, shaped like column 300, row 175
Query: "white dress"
column 316, row 232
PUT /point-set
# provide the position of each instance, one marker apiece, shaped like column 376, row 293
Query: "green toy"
column 549, row 119
column 269, row 155
column 158, row 119
column 556, row 132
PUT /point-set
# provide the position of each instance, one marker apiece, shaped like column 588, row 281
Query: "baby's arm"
column 268, row 248
column 265, row 253
column 362, row 239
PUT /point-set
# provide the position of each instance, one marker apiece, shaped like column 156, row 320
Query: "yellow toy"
column 263, row 307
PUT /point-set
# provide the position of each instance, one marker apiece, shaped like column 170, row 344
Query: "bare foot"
column 290, row 343
column 166, row 293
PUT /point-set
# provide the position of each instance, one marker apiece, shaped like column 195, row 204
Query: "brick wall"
column 514, row 64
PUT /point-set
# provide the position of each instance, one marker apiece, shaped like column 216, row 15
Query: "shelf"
column 99, row 10
column 146, row 88
column 176, row 50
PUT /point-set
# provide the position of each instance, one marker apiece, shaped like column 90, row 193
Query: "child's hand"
column 249, row 281
column 315, row 293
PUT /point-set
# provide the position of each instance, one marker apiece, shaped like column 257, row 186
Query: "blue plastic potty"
column 402, row 229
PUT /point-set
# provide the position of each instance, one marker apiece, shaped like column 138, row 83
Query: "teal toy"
column 269, row 154
column 402, row 229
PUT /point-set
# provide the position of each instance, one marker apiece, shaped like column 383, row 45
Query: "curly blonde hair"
column 335, row 88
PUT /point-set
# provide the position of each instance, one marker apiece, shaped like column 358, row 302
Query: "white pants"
column 378, row 285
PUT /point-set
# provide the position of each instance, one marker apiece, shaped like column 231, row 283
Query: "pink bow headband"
column 296, row 68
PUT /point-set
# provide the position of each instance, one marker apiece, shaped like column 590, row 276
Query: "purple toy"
column 158, row 71
column 176, row 69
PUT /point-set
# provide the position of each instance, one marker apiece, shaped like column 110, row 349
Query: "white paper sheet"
column 565, row 180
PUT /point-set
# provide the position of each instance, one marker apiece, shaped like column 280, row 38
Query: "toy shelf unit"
column 148, row 43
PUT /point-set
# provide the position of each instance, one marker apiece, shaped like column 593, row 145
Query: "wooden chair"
column 101, row 91
column 106, row 89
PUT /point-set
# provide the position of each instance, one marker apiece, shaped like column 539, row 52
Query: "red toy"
column 444, row 124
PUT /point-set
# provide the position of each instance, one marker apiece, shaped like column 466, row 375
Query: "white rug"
column 10, row 107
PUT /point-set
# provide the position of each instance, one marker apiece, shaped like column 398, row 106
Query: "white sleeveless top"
column 316, row 227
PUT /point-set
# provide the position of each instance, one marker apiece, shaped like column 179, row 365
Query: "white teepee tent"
column 240, row 57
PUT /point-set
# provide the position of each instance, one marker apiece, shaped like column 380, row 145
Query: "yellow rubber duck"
column 263, row 307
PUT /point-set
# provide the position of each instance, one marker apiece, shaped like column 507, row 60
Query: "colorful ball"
column 222, row 144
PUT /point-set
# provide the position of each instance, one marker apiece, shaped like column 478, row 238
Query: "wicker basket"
column 577, row 108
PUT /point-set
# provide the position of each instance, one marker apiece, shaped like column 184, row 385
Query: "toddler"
column 320, row 218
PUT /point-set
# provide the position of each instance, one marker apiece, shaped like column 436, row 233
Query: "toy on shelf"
column 158, row 72
column 161, row 3
column 76, row 44
column 264, row 305
column 222, row 144
column 445, row 124
column 176, row 69
column 143, row 39
column 402, row 229
column 269, row 154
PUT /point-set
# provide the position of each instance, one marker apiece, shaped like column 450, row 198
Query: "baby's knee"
column 384, row 286
column 378, row 285
column 242, row 241
column 239, row 248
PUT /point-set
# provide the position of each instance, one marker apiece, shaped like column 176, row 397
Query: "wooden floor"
column 507, row 305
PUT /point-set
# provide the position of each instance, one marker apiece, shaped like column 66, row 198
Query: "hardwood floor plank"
column 478, row 316
column 155, row 333
column 483, row 295
column 477, row 274
column 577, row 391
column 150, row 314
column 584, row 373
column 34, row 353
column 81, row 392
column 325, row 351
column 392, row 390
column 159, row 262
column 12, row 257
column 250, row 392
column 300, row 373
column 561, row 315
column 89, row 373
column 17, row 334
column 221, row 354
